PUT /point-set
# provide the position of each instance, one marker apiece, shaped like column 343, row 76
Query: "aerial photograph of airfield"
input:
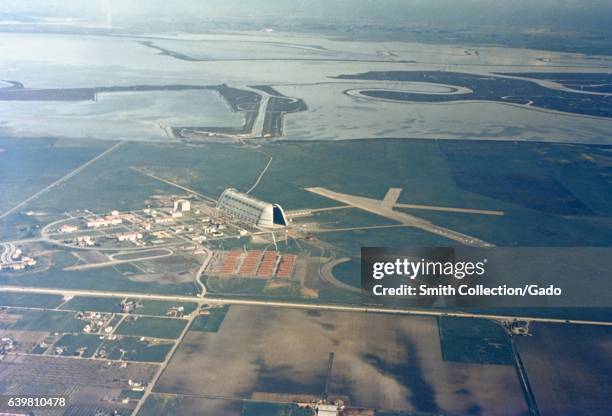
column 182, row 216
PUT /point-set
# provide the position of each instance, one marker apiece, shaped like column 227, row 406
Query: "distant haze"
column 566, row 15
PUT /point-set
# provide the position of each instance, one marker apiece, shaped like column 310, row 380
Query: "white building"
column 251, row 210
column 327, row 410
column 129, row 236
column 85, row 240
column 104, row 221
column 67, row 228
column 182, row 205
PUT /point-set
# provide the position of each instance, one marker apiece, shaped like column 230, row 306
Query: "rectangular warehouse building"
column 251, row 210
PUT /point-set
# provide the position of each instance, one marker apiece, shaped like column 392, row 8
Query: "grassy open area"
column 211, row 322
column 93, row 304
column 34, row 300
column 160, row 308
column 71, row 344
column 49, row 321
column 474, row 341
column 152, row 327
column 133, row 349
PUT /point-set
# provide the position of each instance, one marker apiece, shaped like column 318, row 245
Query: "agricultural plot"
column 151, row 327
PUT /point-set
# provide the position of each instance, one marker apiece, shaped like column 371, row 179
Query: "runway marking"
column 450, row 209
column 376, row 206
column 391, row 197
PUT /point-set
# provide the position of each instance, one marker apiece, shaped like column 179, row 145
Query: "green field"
column 401, row 413
column 106, row 278
column 211, row 322
column 167, row 405
column 131, row 394
column 33, row 300
column 235, row 286
column 159, row 307
column 274, row 409
column 157, row 405
column 133, row 349
column 29, row 165
column 48, row 321
column 93, row 304
column 151, row 327
column 71, row 343
column 474, row 341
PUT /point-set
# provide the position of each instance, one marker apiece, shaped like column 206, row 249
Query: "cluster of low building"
column 85, row 241
column 106, row 221
column 67, row 229
column 13, row 259
column 7, row 344
column 154, row 224
column 175, row 311
column 517, row 327
column 130, row 306
column 167, row 215
column 137, row 385
column 131, row 236
column 96, row 322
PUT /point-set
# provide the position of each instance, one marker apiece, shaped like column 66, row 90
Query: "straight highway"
column 295, row 305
